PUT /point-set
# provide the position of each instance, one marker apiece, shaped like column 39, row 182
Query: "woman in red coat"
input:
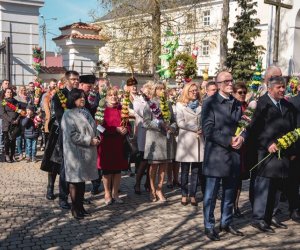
column 112, row 157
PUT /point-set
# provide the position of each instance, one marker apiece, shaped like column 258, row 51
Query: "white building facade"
column 198, row 26
column 19, row 22
column 80, row 44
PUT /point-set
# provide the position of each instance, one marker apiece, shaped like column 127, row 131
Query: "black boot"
column 50, row 188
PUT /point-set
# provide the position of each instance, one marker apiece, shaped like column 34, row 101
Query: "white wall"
column 19, row 21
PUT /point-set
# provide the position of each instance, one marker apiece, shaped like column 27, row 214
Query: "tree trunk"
column 156, row 35
column 223, row 34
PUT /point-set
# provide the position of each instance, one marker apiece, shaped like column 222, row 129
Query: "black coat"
column 7, row 114
column 268, row 125
column 296, row 103
column 53, row 151
column 219, row 123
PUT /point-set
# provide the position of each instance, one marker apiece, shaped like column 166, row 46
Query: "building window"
column 190, row 21
column 206, row 17
column 205, row 48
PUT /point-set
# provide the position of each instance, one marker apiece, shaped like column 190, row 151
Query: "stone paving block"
column 28, row 218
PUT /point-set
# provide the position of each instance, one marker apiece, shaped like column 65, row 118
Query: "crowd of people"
column 91, row 131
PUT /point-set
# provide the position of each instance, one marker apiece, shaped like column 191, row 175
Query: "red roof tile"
column 81, row 25
column 80, row 36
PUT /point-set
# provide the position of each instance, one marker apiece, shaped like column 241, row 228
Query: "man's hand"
column 273, row 148
column 237, row 142
column 293, row 157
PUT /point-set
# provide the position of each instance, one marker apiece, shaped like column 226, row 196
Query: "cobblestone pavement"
column 29, row 221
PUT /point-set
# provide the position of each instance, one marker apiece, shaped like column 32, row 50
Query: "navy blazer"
column 219, row 122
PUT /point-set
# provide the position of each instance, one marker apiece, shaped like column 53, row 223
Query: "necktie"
column 278, row 106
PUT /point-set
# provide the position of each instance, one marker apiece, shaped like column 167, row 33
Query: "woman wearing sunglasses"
column 240, row 93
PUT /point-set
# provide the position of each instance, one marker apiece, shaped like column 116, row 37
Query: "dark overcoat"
column 7, row 114
column 53, row 151
column 268, row 125
column 219, row 122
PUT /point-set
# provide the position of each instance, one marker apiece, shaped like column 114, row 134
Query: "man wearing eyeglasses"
column 220, row 115
column 273, row 117
column 52, row 161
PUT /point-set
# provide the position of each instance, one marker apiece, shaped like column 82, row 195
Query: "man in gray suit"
column 220, row 115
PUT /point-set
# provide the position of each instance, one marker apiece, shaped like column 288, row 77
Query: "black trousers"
column 9, row 145
column 292, row 185
column 185, row 170
column 265, row 193
column 63, row 185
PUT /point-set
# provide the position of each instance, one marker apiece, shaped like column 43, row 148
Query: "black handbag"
column 14, row 130
column 131, row 148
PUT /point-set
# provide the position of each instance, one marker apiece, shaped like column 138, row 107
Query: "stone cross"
column 278, row 5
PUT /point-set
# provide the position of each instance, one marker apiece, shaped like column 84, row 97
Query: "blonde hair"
column 185, row 92
column 155, row 87
column 112, row 90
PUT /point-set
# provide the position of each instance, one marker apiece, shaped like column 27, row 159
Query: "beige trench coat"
column 190, row 147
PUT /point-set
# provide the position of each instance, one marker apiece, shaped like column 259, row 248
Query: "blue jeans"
column 31, row 144
column 185, row 169
column 210, row 197
column 20, row 144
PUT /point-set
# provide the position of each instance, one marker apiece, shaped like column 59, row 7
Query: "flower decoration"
column 38, row 121
column 13, row 107
column 283, row 143
column 37, row 58
column 92, row 97
column 291, row 89
column 62, row 98
column 99, row 116
column 153, row 107
column 255, row 84
column 164, row 107
column 246, row 118
column 125, row 109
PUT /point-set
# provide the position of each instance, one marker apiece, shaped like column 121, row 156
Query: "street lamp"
column 44, row 30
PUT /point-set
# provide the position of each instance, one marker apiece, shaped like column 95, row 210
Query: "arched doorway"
column 297, row 44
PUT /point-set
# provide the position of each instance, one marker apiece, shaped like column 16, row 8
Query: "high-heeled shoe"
column 194, row 203
column 76, row 214
column 136, row 190
column 160, row 196
column 153, row 197
column 108, row 202
column 184, row 203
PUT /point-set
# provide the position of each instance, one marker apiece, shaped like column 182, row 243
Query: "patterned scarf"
column 193, row 105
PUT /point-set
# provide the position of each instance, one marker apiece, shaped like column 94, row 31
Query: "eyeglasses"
column 193, row 91
column 74, row 79
column 227, row 81
column 242, row 92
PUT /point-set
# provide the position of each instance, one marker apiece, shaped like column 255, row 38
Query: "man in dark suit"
column 52, row 161
column 273, row 118
column 294, row 174
column 220, row 115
